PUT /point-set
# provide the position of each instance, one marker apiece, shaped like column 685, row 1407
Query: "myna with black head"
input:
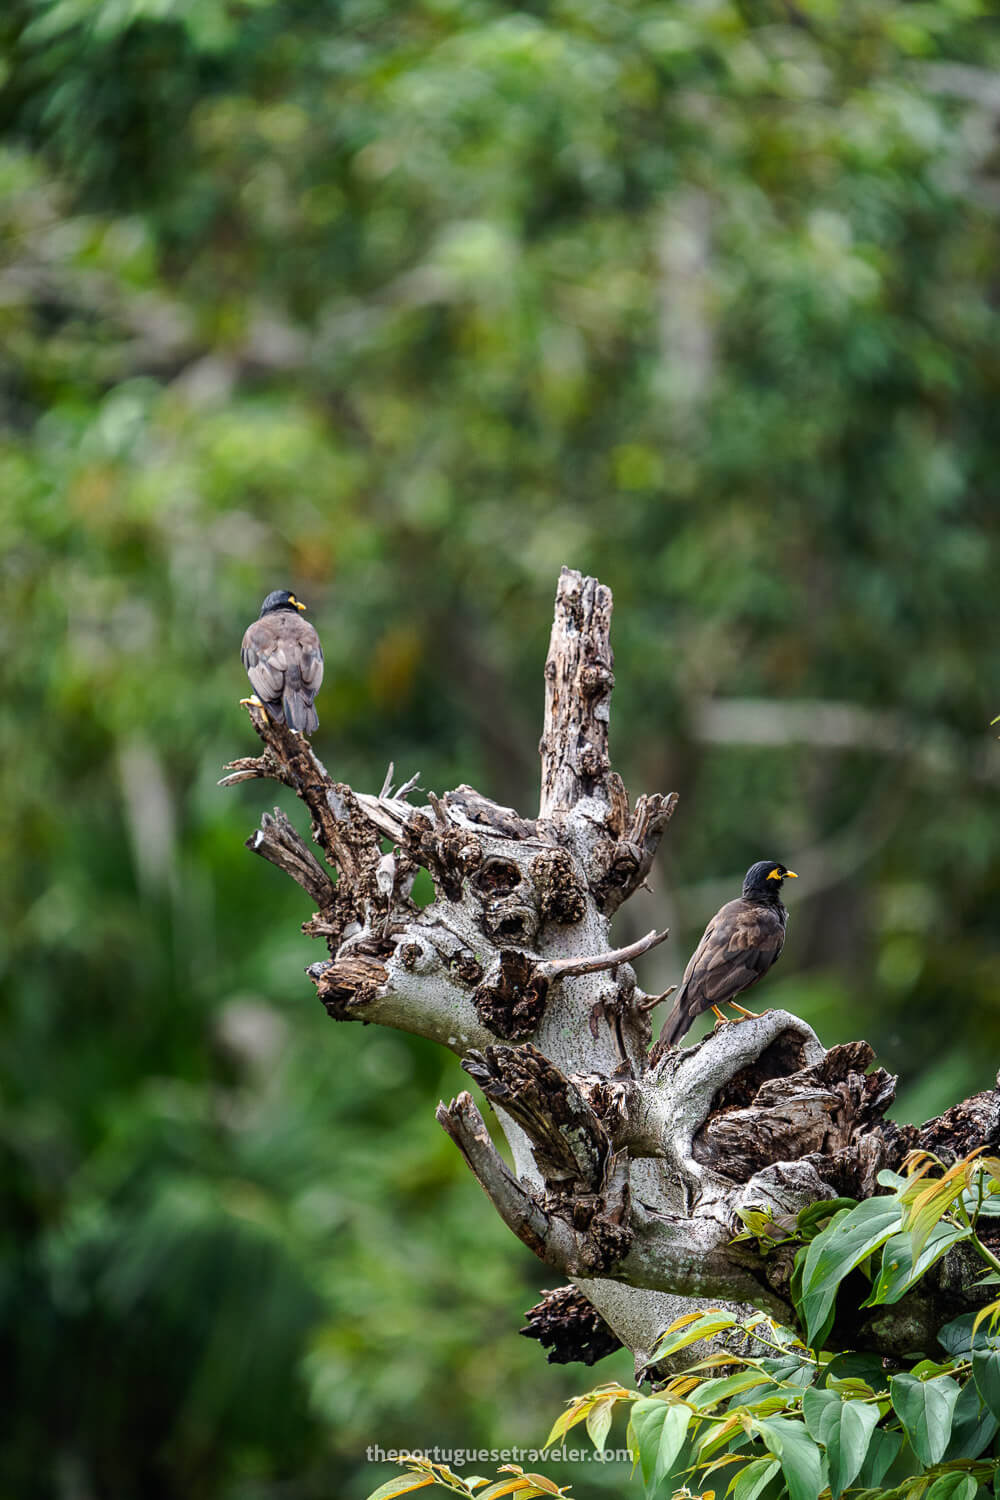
column 739, row 945
column 284, row 661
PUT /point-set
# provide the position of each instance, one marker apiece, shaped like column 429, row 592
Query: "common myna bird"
column 284, row 661
column 740, row 944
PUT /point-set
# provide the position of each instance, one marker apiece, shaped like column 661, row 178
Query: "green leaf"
column 898, row 1273
column 801, row 1460
column 925, row 1408
column 988, row 1209
column 814, row 1213
column 882, row 1452
column 599, row 1422
column 781, row 1370
column 659, row 1429
column 973, row 1428
column 986, row 1374
column 867, row 1367
column 836, row 1251
column 960, row 1336
column 844, row 1428
column 750, row 1481
column 953, row 1487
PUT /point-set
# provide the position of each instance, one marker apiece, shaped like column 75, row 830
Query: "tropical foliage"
column 794, row 1419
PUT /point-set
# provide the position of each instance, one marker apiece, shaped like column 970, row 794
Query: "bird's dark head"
column 280, row 599
column 763, row 880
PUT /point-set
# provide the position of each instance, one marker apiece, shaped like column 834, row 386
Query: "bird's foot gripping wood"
column 254, row 702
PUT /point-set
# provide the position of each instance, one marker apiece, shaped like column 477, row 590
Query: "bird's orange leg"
column 754, row 1014
column 721, row 1017
column 254, row 702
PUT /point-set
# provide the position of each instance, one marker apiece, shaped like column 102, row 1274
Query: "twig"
column 650, row 1002
column 558, row 968
column 247, row 768
column 550, row 1238
column 387, row 783
column 277, row 841
column 439, row 813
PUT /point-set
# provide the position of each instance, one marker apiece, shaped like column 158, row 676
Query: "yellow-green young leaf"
column 750, row 1481
column 403, row 1485
column 658, row 1429
column 515, row 1486
column 925, row 1408
column 703, row 1326
column 992, row 1312
column 921, row 1223
column 716, row 1436
column 714, row 1361
column 547, row 1486
column 935, row 1199
column 725, row 1462
column 682, row 1322
column 711, row 1392
column 578, row 1409
column 599, row 1422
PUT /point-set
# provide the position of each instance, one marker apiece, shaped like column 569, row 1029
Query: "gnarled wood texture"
column 629, row 1173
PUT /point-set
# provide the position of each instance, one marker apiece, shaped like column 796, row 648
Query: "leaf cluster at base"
column 778, row 1415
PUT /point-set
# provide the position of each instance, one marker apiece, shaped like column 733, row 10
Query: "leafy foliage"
column 792, row 1419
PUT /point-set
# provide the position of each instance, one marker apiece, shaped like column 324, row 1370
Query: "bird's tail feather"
column 678, row 1022
column 297, row 704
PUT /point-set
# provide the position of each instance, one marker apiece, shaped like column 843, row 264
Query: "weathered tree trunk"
column 628, row 1173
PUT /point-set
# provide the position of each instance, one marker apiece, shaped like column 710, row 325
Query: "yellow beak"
column 292, row 600
column 790, row 875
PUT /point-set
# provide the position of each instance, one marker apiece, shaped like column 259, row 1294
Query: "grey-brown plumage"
column 284, row 661
column 738, row 947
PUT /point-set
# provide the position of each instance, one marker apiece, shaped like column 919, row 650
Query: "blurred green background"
column 402, row 306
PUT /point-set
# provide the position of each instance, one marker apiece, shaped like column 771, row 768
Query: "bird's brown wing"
column 264, row 657
column 738, row 947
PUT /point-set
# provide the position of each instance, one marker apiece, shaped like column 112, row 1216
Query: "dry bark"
column 630, row 1169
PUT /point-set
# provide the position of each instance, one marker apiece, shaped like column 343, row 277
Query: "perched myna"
column 740, row 944
column 284, row 661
